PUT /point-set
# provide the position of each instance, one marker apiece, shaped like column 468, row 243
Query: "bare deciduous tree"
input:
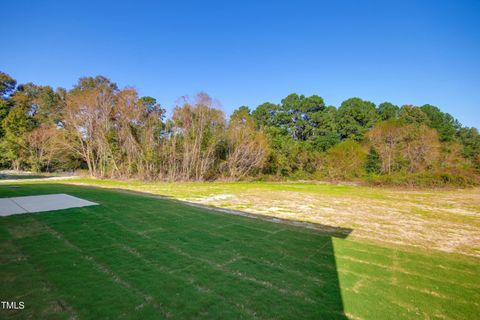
column 247, row 147
column 400, row 145
column 41, row 146
column 87, row 121
column 197, row 128
column 386, row 137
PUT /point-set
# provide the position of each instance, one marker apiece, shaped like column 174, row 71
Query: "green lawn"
column 136, row 257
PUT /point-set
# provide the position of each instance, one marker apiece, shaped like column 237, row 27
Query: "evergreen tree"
column 373, row 164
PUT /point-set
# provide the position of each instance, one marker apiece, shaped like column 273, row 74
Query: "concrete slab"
column 8, row 207
column 41, row 203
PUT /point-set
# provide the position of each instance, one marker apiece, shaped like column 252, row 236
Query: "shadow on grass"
column 4, row 176
column 286, row 269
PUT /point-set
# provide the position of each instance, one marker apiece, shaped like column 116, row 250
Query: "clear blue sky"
column 249, row 52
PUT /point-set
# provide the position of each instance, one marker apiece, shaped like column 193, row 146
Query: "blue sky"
column 249, row 52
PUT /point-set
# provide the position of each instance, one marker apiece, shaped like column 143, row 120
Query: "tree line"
column 115, row 133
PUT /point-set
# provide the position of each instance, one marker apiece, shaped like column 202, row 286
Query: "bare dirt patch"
column 445, row 221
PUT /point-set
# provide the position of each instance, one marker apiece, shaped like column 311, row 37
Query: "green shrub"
column 373, row 164
column 346, row 160
column 461, row 179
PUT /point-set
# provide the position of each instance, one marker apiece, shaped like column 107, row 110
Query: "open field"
column 146, row 258
column 444, row 220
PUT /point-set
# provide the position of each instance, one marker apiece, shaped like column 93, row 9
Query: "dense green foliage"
column 136, row 257
column 113, row 132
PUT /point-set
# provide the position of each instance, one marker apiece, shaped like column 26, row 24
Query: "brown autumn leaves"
column 117, row 134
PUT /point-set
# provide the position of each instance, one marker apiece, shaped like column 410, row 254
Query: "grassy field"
column 137, row 257
column 444, row 220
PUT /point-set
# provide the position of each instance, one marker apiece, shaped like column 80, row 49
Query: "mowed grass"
column 136, row 257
